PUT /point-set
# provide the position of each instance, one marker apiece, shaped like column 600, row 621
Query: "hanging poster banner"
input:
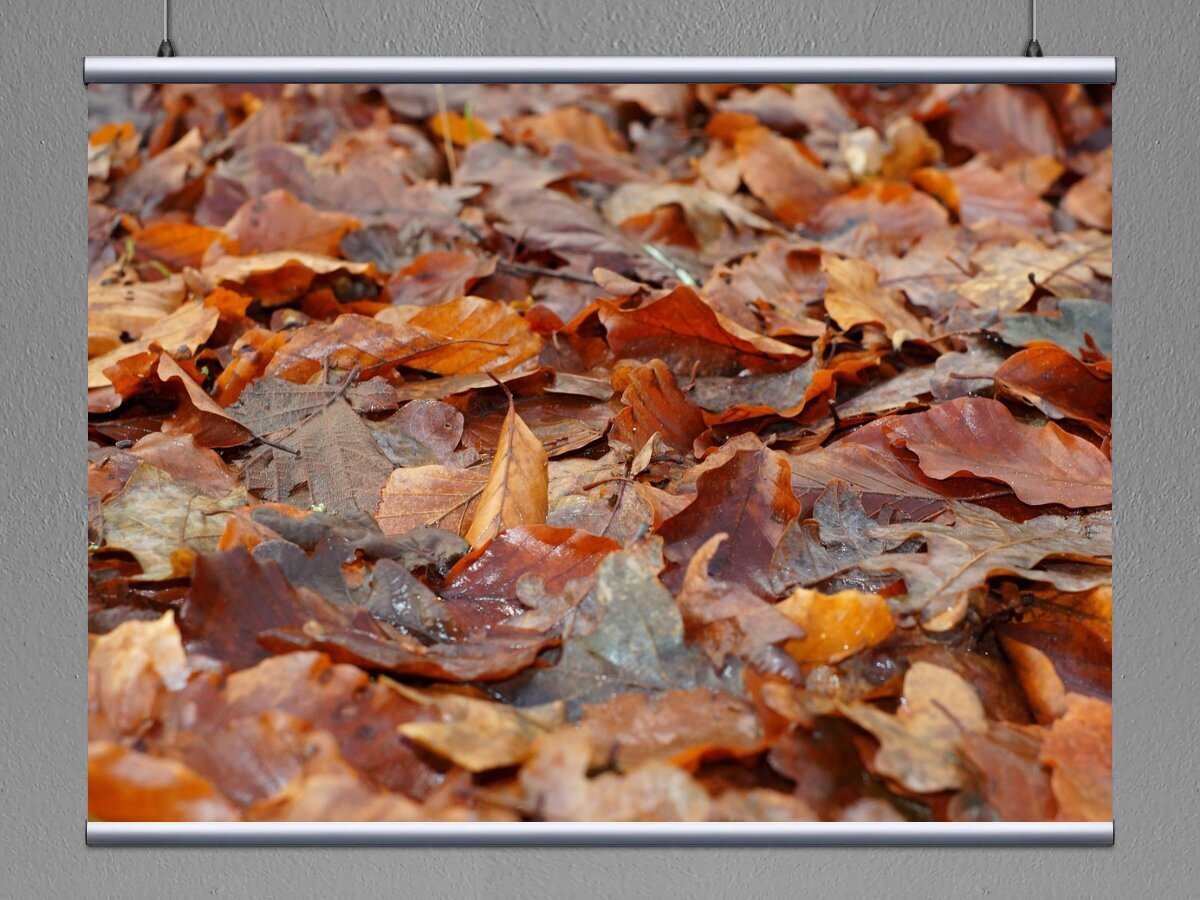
column 527, row 452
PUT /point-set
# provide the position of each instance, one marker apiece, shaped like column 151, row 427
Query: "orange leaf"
column 835, row 625
column 460, row 129
column 854, row 297
column 516, row 492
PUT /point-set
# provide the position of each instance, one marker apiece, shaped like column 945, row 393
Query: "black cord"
column 1033, row 48
column 166, row 48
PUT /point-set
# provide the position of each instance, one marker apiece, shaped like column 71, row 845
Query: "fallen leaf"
column 128, row 786
column 557, row 556
column 637, row 644
column 726, row 618
column 920, row 746
column 164, row 523
column 656, row 405
column 1080, row 324
column 129, row 669
column 976, row 192
column 974, row 436
column 1078, row 750
column 179, row 334
column 516, row 492
column 962, row 556
column 1059, row 385
column 478, row 734
column 1006, row 122
column 678, row 726
column 278, row 221
column 894, row 208
column 430, row 495
column 835, row 625
column 854, row 297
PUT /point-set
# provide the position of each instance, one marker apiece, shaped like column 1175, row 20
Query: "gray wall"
column 42, row 216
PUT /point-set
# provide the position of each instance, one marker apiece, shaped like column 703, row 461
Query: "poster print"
column 593, row 453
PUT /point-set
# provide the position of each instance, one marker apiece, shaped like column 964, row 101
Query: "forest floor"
column 590, row 452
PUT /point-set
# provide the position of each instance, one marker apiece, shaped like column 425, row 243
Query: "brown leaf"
column 920, row 746
column 679, row 726
column 430, row 495
column 127, row 786
column 555, row 785
column 361, row 713
column 187, row 462
column 278, row 221
column 684, row 332
column 1015, row 784
column 180, row 334
column 750, row 499
column 478, row 336
column 557, row 556
column 153, row 185
column 980, row 544
column 516, row 492
column 350, row 340
column 977, row 192
column 129, row 669
column 197, row 414
column 974, row 436
column 1059, row 385
column 637, row 645
column 281, row 276
column 178, row 245
column 775, row 170
column 119, row 306
column 726, row 618
column 437, row 277
column 835, row 626
column 854, row 297
column 895, row 209
column 656, row 405
column 478, row 734
column 163, row 522
column 1078, row 750
column 1005, row 122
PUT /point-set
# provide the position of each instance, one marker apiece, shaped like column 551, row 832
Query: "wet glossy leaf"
column 973, row 436
column 750, row 499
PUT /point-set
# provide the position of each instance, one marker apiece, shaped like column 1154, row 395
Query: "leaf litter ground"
column 568, row 452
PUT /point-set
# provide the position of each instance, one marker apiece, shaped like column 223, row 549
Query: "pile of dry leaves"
column 599, row 452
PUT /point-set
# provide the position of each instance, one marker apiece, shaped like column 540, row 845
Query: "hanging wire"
column 166, row 48
column 1033, row 48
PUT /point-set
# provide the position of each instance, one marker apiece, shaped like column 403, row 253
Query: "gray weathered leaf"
column 833, row 542
column 154, row 516
column 637, row 644
column 961, row 557
column 1075, row 319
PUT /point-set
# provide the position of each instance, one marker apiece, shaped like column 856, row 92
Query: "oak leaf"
column 920, row 746
column 163, row 523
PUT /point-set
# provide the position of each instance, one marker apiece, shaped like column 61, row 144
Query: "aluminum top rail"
column 600, row 69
